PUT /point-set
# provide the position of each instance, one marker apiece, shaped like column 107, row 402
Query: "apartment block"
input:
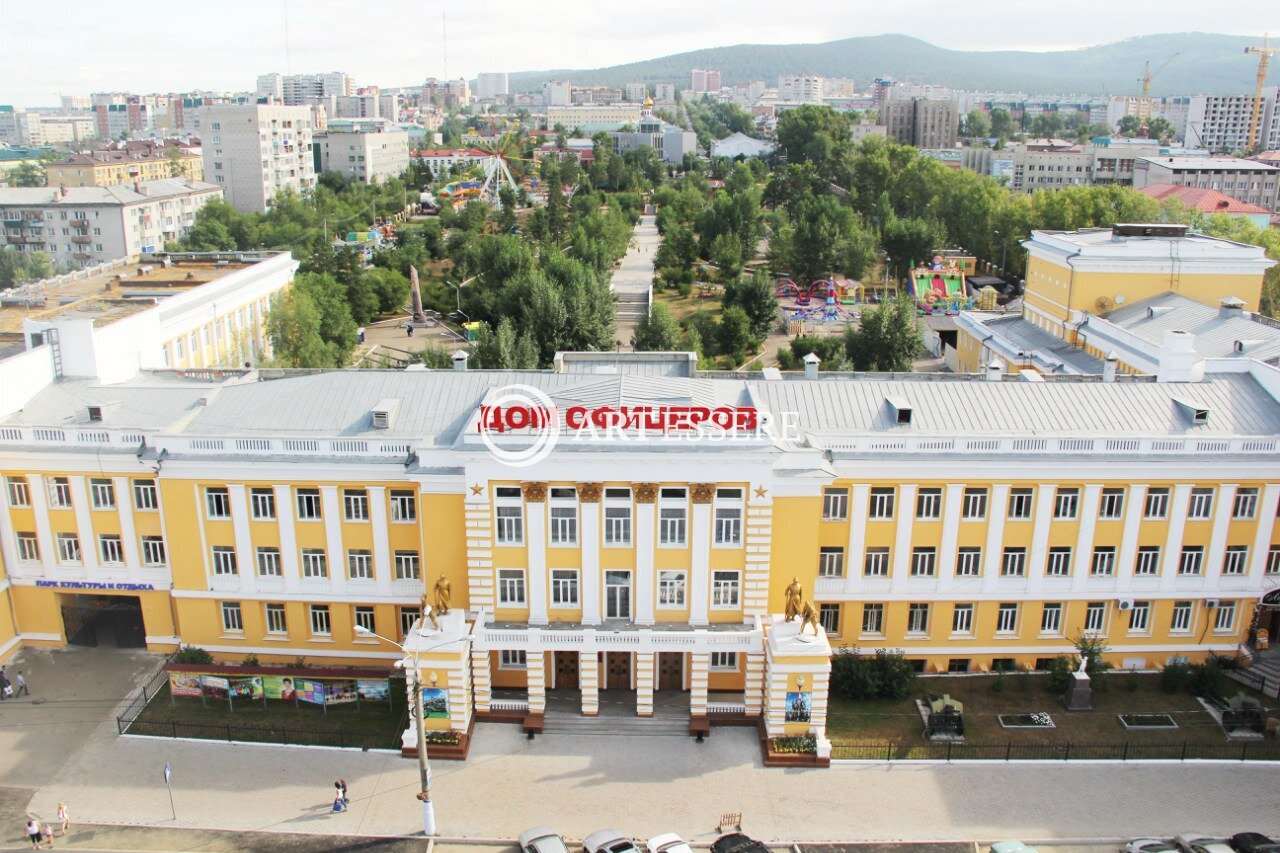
column 1245, row 180
column 255, row 151
column 491, row 85
column 139, row 161
column 1220, row 123
column 922, row 122
column 365, row 150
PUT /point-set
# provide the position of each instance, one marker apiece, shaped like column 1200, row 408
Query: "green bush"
column 1059, row 675
column 1176, row 675
column 250, row 660
column 998, row 685
column 798, row 745
column 684, row 288
column 192, row 654
column 1206, row 678
column 886, row 675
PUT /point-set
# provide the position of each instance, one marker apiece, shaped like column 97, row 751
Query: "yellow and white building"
column 971, row 521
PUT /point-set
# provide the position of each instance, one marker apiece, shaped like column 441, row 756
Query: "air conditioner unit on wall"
column 1125, row 604
column 1211, row 603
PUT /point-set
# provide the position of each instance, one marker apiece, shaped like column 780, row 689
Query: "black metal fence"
column 1245, row 750
column 295, row 735
column 145, row 694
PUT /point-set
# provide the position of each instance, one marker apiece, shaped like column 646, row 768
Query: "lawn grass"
column 897, row 721
column 682, row 306
column 371, row 725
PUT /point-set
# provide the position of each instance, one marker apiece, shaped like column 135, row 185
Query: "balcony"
column 81, row 256
column 619, row 636
column 79, row 223
column 81, row 238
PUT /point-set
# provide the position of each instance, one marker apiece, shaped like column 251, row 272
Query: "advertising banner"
column 215, row 685
column 309, row 690
column 248, row 687
column 435, row 703
column 799, row 707
column 339, row 692
column 184, row 683
column 278, row 687
column 373, row 691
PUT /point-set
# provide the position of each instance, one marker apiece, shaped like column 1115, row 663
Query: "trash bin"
column 1262, row 639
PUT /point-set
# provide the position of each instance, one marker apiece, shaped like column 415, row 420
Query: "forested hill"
column 1205, row 63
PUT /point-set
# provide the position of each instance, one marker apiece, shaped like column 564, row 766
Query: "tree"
column 910, row 240
column 20, row 267
column 734, row 333
column 888, row 338
column 977, row 124
column 435, row 358
column 337, row 327
column 819, row 225
column 657, row 331
column 1129, row 126
column 1001, row 122
column 755, row 297
column 1047, row 125
column 503, row 348
column 293, row 325
column 507, row 218
column 809, row 134
column 174, row 156
column 1160, row 128
column 26, row 174
column 726, row 253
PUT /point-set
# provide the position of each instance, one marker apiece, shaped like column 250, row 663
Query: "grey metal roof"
column 149, row 402
column 160, row 188
column 1021, row 334
column 1215, row 333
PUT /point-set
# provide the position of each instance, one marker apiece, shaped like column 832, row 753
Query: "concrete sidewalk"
column 633, row 278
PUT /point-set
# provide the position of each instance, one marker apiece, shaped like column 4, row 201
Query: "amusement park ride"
column 495, row 172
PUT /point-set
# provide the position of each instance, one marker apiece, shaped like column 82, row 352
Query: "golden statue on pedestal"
column 809, row 616
column 795, row 599
column 442, row 593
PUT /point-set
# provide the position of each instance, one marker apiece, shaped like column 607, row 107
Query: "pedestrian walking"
column 48, row 834
column 342, row 786
column 22, row 685
column 64, row 818
column 33, row 833
column 339, row 805
column 6, row 689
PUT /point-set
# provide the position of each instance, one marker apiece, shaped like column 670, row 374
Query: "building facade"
column 114, row 166
column 922, row 122
column 367, row 151
column 1248, row 181
column 254, row 151
column 491, row 85
column 595, row 115
column 1220, row 123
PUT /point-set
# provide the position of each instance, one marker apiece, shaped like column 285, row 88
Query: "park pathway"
column 633, row 279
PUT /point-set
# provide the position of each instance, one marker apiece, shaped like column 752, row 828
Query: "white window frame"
column 315, row 563
column 408, row 565
column 873, row 611
column 969, row 562
column 835, row 504
column 1245, row 504
column 1200, row 504
column 217, row 503
column 672, row 589
column 145, row 496
column 829, row 617
column 102, row 493
column 728, row 523
column 924, row 562
column 1095, row 617
column 973, row 505
column 59, row 493
column 562, row 520
column 404, row 506
column 262, row 504
column 266, row 560
column 1146, row 563
column 1021, row 504
column 726, row 589
column 875, row 563
column 962, row 619
column 918, row 619
column 309, row 504
column 723, row 662
column 19, row 491
column 355, row 505
column 28, row 547
column 1013, row 558
column 1051, row 626
column 1111, row 504
column 1156, row 504
column 232, row 617
column 364, row 616
column 1181, row 618
column 1102, row 564
column 831, row 561
column 277, row 618
column 1191, row 561
column 359, row 564
column 1058, row 564
column 673, row 525
column 617, row 525
column 508, row 525
column 110, row 549
column 513, row 659
column 1066, row 503
column 1007, row 618
column 223, row 560
column 408, row 617
column 1140, row 618
column 880, row 504
column 320, row 619
column 1235, row 560
column 1227, row 609
column 929, row 504
column 511, row 588
column 564, row 590
column 627, row 597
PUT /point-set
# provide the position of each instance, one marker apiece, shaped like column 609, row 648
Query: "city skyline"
column 407, row 55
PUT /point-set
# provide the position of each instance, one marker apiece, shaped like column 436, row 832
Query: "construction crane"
column 1148, row 75
column 1264, row 61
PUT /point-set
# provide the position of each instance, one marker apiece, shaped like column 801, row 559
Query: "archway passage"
column 103, row 620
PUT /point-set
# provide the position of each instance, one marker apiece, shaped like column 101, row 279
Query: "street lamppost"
column 1004, row 251
column 424, row 764
column 887, row 260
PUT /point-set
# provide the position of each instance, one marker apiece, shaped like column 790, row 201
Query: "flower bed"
column 802, row 745
column 1026, row 721
column 1147, row 721
column 449, row 738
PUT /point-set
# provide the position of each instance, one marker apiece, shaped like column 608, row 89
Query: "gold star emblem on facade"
column 477, row 489
column 761, row 491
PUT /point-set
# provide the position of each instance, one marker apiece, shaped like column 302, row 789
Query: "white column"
column 248, row 566
column 1038, row 558
column 479, row 523
column 700, row 582
column 38, row 488
column 8, row 536
column 1178, row 504
column 1089, row 498
column 645, row 664
column 589, row 520
column 646, row 582
column 1262, row 538
column 759, row 545
column 535, row 513
column 999, row 510
column 699, row 672
column 856, row 553
column 381, row 539
column 1217, row 550
column 906, row 514
column 951, row 499
column 536, row 675
column 331, row 510
column 288, row 540
column 482, row 679
column 753, row 696
column 128, row 535
column 84, row 523
column 1128, row 555
column 589, row 682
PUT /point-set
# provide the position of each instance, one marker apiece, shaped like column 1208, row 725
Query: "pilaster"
column 477, row 514
column 759, row 544
column 589, row 682
column 753, row 695
column 645, row 663
column 699, row 671
column 482, row 678
column 536, row 676
column 589, row 521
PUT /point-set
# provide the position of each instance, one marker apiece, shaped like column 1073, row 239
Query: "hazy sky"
column 79, row 46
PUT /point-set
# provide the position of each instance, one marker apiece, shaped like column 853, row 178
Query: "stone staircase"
column 1265, row 668
column 618, row 718
column 631, row 307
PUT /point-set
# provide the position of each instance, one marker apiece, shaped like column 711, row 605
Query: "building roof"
column 1203, row 200
column 113, row 195
column 1217, row 330
column 142, row 403
column 1103, row 246
column 1017, row 335
column 1210, row 164
column 117, row 156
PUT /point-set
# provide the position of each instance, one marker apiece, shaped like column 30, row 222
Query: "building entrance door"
column 617, row 670
column 670, row 670
column 103, row 620
column 566, row 670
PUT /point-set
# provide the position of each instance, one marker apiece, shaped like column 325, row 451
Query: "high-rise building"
column 1220, row 123
column 294, row 89
column 1244, row 180
column 921, row 122
column 71, row 103
column 557, row 93
column 452, row 93
column 801, row 88
column 254, row 151
column 701, row 80
column 15, row 126
column 491, row 85
column 364, row 150
column 636, row 92
column 271, row 86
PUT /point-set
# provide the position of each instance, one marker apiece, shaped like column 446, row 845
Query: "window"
column 881, row 504
column 829, row 617
column 974, row 505
column 224, row 560
column 103, row 493
column 1111, row 505
column 564, row 525
column 1181, row 620
column 958, row 665
column 1189, row 563
column 671, row 590
column 1066, row 503
column 1095, row 616
column 728, row 525
column 314, row 563
column 404, row 509
column 1148, row 561
column 969, row 562
column 511, row 587
column 309, row 504
column 268, row 562
column 364, row 618
column 1007, row 619
column 1201, row 504
column 876, row 563
column 929, row 504
column 1157, row 503
column 1140, row 617
column 724, row 661
column 617, row 525
column 923, row 562
column 232, row 618
column 510, row 525
column 144, row 495
column 1104, row 561
column 59, row 492
column 1059, row 565
column 407, row 566
column 725, row 587
column 28, row 548
column 962, row 619
column 873, row 618
column 320, row 625
column 1224, row 620
column 617, row 594
column 835, row 504
column 1273, row 560
column 831, row 562
column 360, row 564
column 1246, row 503
column 672, row 525
column 355, row 505
column 19, row 493
column 564, row 588
column 217, row 503
column 1051, row 619
column 1235, row 560
column 918, row 619
column 110, row 549
column 276, row 622
column 408, row 616
column 1013, row 563
column 513, row 659
column 1020, row 501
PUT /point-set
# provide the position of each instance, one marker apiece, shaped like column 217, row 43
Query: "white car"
column 1195, row 843
column 668, row 842
column 608, row 841
column 544, row 839
column 1151, row 845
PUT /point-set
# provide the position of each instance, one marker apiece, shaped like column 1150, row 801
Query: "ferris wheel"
column 501, row 165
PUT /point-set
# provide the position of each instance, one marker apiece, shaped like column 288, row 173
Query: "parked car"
column 1193, row 842
column 1011, row 847
column 668, row 842
column 1151, row 845
column 1254, row 842
column 608, row 841
column 736, row 842
column 544, row 839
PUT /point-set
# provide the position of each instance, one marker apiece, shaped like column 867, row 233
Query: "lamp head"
column 362, row 631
